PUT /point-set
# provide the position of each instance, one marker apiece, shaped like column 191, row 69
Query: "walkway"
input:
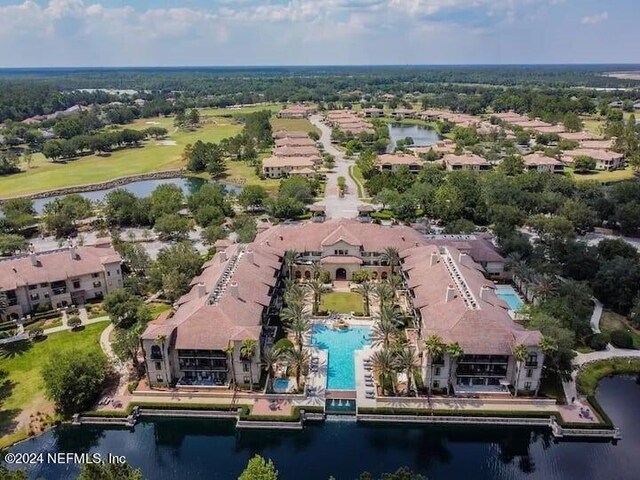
column 336, row 206
column 596, row 315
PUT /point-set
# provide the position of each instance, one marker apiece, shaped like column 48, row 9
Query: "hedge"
column 588, row 378
column 192, row 406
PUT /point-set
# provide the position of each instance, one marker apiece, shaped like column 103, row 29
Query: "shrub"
column 360, row 276
column 621, row 339
column 37, row 333
column 599, row 341
column 74, row 322
column 131, row 387
column 325, row 277
column 283, row 345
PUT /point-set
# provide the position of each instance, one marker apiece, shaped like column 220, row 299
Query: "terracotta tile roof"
column 466, row 159
column 485, row 329
column 341, row 260
column 55, row 265
column 290, row 134
column 539, row 159
column 295, row 142
column 398, row 159
column 287, row 151
column 602, row 155
column 597, row 144
column 578, row 136
column 275, row 162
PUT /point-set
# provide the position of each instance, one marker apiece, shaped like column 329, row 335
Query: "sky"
column 68, row 33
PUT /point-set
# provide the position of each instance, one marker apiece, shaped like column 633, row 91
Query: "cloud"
column 595, row 19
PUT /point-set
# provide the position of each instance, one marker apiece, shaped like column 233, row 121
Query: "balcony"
column 532, row 364
column 59, row 291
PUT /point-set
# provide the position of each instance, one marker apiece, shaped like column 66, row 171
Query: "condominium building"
column 58, row 278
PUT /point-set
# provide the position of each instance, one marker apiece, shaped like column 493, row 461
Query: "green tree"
column 435, row 349
column 247, row 352
column 391, row 257
column 520, row 353
column 252, row 197
column 366, row 290
column 317, row 288
column 172, row 226
column 73, row 379
column 11, row 243
column 174, row 269
column 124, row 308
column 583, row 164
column 406, row 362
column 299, row 361
column 259, row 469
column 246, row 228
column 455, row 351
column 126, row 343
column 166, row 199
column 60, row 215
column 109, row 471
column 384, row 363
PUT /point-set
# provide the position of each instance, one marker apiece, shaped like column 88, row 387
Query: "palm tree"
column 382, row 333
column 391, row 314
column 546, row 286
column 298, row 359
column 292, row 312
column 162, row 340
column 383, row 292
column 317, row 288
column 548, row 347
column 396, row 284
column 435, row 349
column 294, row 293
column 455, row 351
column 269, row 359
column 406, row 362
column 247, row 352
column 299, row 327
column 4, row 304
column 383, row 362
column 365, row 289
column 520, row 353
column 391, row 256
column 290, row 258
column 316, row 270
column 230, row 350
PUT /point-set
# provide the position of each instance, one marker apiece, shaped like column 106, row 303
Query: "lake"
column 422, row 136
column 142, row 188
column 198, row 449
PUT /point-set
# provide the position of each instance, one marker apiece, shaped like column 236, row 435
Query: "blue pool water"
column 281, row 385
column 509, row 295
column 341, row 345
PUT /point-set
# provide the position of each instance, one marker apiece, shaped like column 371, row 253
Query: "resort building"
column 278, row 167
column 453, row 300
column 541, row 163
column 295, row 142
column 373, row 112
column 58, row 278
column 467, row 161
column 231, row 303
column 348, row 122
column 234, row 304
column 392, row 161
column 605, row 159
column 296, row 112
column 303, row 151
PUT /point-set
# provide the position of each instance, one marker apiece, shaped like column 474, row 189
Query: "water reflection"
column 422, row 135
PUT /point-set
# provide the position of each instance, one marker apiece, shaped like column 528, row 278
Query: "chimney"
column 462, row 257
column 34, row 259
column 451, row 293
column 250, row 259
column 434, row 259
column 73, row 251
column 202, row 289
column 233, row 289
column 484, row 292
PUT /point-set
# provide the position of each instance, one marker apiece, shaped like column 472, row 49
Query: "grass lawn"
column 293, row 125
column 357, row 177
column 154, row 156
column 592, row 125
column 611, row 321
column 241, row 173
column 589, row 376
column 342, row 302
column 22, row 389
column 235, row 112
column 604, row 177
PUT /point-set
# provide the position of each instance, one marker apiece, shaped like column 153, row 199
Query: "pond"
column 199, row 449
column 142, row 188
column 422, row 135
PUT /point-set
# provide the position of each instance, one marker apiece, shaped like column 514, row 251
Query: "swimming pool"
column 341, row 345
column 509, row 295
column 281, row 385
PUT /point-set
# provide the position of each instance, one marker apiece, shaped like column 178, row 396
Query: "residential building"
column 289, row 134
column 296, row 112
column 295, row 142
column 231, row 303
column 578, row 136
column 302, row 151
column 597, row 144
column 467, row 161
column 542, row 163
column 616, row 104
column 452, row 300
column 278, row 167
column 605, row 159
column 58, row 278
column 392, row 161
column 402, row 113
column 373, row 112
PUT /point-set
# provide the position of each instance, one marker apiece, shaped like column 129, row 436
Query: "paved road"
column 336, row 207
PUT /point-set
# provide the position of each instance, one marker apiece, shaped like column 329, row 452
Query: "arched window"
column 307, row 275
column 384, row 275
column 298, row 275
column 374, row 276
column 156, row 352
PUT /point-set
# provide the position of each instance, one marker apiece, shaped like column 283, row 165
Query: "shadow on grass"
column 8, row 421
column 12, row 350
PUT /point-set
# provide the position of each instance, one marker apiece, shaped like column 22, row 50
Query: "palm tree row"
column 297, row 359
column 388, row 362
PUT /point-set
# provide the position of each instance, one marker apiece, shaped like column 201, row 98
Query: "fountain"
column 333, row 402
